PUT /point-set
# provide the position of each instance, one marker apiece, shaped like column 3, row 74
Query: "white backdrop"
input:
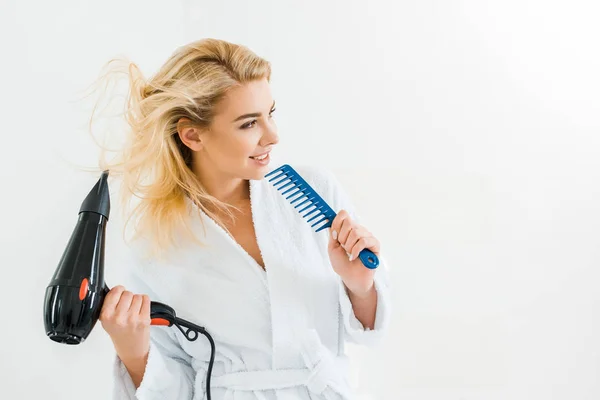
column 467, row 133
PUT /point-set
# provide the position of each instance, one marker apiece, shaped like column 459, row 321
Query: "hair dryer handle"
column 161, row 314
column 164, row 315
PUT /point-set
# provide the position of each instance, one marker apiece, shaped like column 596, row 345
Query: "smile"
column 261, row 157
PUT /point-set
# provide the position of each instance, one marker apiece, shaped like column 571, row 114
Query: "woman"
column 222, row 247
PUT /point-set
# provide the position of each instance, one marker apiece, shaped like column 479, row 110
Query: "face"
column 242, row 134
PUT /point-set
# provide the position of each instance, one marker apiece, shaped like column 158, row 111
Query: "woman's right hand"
column 126, row 319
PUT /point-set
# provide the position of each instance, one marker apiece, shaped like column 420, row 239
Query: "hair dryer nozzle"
column 98, row 200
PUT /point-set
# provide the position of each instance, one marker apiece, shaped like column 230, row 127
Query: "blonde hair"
column 154, row 164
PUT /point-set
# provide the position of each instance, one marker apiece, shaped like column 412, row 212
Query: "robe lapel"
column 227, row 241
column 303, row 290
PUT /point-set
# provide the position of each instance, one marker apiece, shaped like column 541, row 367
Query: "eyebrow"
column 252, row 115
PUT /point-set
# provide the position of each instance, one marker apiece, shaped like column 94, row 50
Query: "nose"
column 270, row 136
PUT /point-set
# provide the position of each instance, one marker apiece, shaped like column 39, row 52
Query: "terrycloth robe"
column 279, row 332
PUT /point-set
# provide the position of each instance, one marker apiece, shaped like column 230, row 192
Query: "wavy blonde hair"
column 154, row 164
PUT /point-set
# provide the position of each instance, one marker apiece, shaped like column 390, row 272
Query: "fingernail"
column 334, row 234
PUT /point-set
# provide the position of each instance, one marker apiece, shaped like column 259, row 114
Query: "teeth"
column 261, row 157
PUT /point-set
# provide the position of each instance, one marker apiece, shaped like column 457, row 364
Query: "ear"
column 189, row 134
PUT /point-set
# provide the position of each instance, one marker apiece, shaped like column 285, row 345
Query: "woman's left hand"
column 346, row 236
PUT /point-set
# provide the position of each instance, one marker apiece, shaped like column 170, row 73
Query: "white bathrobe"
column 279, row 333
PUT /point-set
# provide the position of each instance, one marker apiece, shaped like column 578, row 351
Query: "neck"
column 230, row 190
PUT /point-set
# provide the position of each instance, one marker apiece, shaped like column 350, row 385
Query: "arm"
column 135, row 368
column 353, row 310
column 167, row 371
column 364, row 307
column 365, row 316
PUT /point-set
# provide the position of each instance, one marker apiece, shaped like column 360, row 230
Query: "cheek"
column 232, row 154
column 242, row 146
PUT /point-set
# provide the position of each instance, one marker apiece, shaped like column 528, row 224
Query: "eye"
column 251, row 123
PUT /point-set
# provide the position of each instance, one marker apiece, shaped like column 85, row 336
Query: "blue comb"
column 286, row 177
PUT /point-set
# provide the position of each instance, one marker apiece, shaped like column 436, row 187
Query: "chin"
column 258, row 173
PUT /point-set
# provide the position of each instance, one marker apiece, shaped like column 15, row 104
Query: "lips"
column 260, row 156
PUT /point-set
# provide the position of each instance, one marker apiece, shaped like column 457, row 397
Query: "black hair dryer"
column 76, row 292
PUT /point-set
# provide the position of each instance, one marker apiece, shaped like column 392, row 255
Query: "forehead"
column 254, row 96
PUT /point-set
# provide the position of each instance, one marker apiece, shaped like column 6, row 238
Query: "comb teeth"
column 287, row 180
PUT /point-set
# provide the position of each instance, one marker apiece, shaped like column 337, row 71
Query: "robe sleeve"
column 169, row 373
column 354, row 331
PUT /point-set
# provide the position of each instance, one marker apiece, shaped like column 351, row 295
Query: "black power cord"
column 164, row 312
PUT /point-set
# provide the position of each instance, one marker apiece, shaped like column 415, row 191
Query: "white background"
column 467, row 132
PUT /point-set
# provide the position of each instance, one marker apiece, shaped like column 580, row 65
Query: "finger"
column 145, row 309
column 136, row 304
column 337, row 223
column 355, row 234
column 333, row 243
column 124, row 302
column 112, row 298
column 347, row 226
column 370, row 243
